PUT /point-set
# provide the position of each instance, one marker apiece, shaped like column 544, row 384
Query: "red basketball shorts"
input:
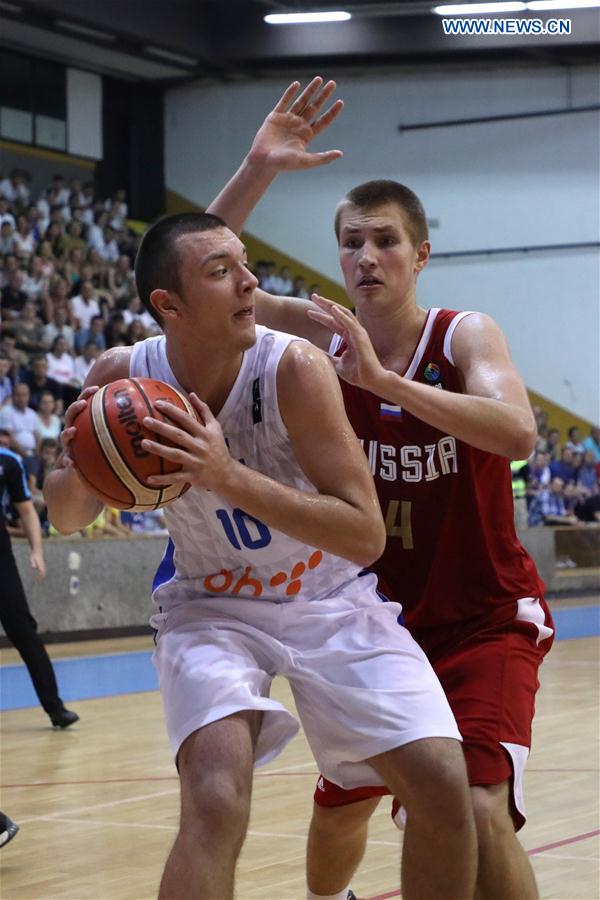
column 490, row 680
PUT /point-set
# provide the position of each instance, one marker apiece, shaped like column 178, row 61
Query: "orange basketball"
column 107, row 447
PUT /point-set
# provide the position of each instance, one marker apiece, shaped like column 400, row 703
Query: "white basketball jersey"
column 216, row 549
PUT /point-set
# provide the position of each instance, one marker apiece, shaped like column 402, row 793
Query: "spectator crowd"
column 68, row 292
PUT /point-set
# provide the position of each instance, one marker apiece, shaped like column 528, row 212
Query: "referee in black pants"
column 15, row 615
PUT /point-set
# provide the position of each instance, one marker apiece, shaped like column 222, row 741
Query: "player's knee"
column 492, row 813
column 440, row 791
column 340, row 822
column 218, row 808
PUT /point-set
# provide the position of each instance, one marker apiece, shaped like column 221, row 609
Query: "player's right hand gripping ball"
column 107, row 447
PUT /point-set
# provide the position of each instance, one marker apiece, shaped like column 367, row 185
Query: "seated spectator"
column 58, row 295
column 21, row 421
column 84, row 363
column 121, row 279
column 563, row 467
column 6, row 384
column 14, row 188
column 61, row 367
column 299, row 288
column 116, row 330
column 589, row 510
column 38, row 381
column 49, row 425
column 35, row 282
column 48, row 259
column 28, row 330
column 285, row 281
column 58, row 326
column 7, row 238
column 37, row 468
column 72, row 239
column 548, row 508
column 8, row 346
column 271, row 282
column 135, row 332
column 95, row 333
column 538, row 475
column 110, row 251
column 136, row 310
column 85, row 306
column 592, row 442
column 587, row 473
column 574, row 441
column 5, row 213
column 24, row 240
column 13, row 296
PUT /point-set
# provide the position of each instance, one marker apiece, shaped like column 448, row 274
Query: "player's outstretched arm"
column 493, row 414
column 343, row 517
column 281, row 144
column 71, row 507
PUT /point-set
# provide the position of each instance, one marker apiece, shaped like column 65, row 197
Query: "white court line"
column 306, row 765
column 593, row 859
column 85, row 809
column 59, row 817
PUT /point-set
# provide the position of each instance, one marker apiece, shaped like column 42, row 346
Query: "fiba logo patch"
column 431, row 373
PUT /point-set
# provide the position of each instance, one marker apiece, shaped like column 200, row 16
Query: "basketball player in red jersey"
column 440, row 410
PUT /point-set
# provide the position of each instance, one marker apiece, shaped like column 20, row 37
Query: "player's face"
column 378, row 258
column 218, row 287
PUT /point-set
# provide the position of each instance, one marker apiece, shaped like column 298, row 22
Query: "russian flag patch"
column 388, row 412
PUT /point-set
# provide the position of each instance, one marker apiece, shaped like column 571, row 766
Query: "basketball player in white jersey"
column 262, row 575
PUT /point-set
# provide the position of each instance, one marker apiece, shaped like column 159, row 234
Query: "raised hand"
column 282, row 140
column 358, row 364
column 198, row 446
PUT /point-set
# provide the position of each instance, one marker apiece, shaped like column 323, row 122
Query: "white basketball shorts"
column 361, row 684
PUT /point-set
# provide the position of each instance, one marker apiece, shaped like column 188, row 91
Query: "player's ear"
column 422, row 255
column 166, row 303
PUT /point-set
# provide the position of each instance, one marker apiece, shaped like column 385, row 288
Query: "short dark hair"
column 377, row 193
column 157, row 260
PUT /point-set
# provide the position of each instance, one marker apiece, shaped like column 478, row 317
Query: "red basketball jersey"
column 452, row 558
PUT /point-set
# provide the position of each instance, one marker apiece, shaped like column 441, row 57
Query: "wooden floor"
column 98, row 804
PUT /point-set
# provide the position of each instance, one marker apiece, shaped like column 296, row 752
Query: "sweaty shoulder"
column 478, row 339
column 110, row 366
column 303, row 361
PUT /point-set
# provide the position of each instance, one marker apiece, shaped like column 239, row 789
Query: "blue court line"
column 82, row 678
column 88, row 677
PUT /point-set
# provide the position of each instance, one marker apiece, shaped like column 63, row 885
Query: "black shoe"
column 8, row 829
column 64, row 718
column 350, row 895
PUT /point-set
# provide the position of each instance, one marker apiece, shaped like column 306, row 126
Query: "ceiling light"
column 298, row 18
column 84, row 30
column 563, row 4
column 172, row 57
column 469, row 9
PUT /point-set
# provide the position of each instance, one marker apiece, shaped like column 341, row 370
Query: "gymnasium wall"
column 516, row 183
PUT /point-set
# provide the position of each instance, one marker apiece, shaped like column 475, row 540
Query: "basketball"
column 107, row 447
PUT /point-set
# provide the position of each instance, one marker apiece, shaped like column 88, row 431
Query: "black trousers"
column 21, row 630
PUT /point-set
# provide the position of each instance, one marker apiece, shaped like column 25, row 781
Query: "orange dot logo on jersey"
column 431, row 373
column 223, row 582
column 295, row 585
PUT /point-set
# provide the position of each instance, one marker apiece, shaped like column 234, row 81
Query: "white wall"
column 506, row 184
column 84, row 113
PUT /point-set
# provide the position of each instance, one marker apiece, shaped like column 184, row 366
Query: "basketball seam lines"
column 156, row 437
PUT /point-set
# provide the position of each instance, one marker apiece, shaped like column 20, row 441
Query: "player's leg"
column 491, row 682
column 504, row 869
column 21, row 630
column 215, row 770
column 337, row 839
column 430, row 777
column 380, row 717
